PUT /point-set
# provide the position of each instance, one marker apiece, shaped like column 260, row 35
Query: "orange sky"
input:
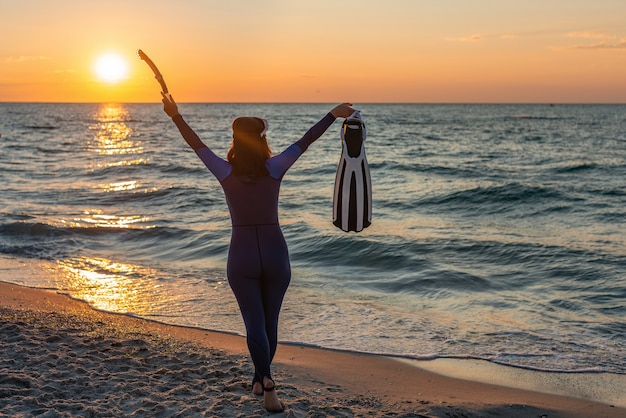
column 317, row 51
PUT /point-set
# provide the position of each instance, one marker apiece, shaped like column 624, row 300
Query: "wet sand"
column 62, row 358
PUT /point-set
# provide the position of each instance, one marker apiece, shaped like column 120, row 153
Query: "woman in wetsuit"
column 258, row 266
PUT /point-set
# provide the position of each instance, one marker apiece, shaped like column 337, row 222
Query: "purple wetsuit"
column 258, row 267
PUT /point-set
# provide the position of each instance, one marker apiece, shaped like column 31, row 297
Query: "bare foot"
column 257, row 389
column 270, row 399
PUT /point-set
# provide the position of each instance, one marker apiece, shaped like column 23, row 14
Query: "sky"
column 323, row 51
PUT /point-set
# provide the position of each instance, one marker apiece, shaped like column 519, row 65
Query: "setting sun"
column 111, row 67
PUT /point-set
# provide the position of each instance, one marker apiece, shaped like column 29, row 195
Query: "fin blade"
column 352, row 199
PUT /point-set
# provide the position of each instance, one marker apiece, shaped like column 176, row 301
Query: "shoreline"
column 310, row 379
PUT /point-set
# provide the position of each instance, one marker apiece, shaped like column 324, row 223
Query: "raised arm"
column 279, row 164
column 340, row 111
column 171, row 108
column 220, row 168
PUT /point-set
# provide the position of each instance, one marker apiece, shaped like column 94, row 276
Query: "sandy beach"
column 60, row 358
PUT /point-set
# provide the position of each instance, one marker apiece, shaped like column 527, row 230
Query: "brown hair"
column 249, row 150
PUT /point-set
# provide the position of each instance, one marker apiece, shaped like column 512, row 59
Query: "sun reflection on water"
column 108, row 285
column 120, row 186
column 115, row 146
column 113, row 136
column 98, row 219
column 103, row 283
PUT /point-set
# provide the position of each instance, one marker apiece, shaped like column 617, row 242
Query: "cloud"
column 590, row 35
column 24, row 58
column 604, row 45
column 471, row 38
column 478, row 37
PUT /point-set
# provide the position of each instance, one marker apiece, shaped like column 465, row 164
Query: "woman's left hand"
column 342, row 111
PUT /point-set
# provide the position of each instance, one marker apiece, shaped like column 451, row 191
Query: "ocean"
column 498, row 231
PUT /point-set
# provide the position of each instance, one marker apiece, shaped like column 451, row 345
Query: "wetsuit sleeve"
column 315, row 132
column 220, row 168
column 279, row 164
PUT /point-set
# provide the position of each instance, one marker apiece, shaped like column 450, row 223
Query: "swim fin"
column 352, row 200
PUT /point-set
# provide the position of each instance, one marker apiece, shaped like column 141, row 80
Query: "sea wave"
column 500, row 199
column 494, row 237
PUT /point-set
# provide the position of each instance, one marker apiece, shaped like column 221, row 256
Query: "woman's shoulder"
column 217, row 165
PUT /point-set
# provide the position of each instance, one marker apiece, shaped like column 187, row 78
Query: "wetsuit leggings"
column 259, row 273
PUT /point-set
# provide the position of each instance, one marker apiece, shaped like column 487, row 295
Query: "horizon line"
column 327, row 102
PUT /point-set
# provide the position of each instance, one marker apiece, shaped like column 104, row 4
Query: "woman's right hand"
column 169, row 105
column 342, row 111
